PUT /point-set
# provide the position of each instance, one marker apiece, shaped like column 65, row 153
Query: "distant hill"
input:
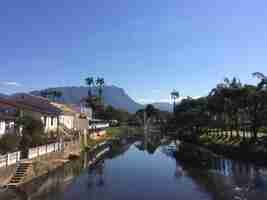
column 3, row 95
column 163, row 106
column 112, row 95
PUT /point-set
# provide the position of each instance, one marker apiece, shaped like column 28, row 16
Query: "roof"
column 7, row 117
column 31, row 102
column 65, row 109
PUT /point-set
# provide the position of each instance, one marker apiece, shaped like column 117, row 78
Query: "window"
column 52, row 121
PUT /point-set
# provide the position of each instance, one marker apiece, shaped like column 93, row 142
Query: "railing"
column 45, row 149
column 9, row 159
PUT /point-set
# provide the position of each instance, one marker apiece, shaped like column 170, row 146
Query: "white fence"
column 45, row 149
column 9, row 159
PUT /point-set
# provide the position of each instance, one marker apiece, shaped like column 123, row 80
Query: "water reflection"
column 228, row 179
column 96, row 175
column 149, row 169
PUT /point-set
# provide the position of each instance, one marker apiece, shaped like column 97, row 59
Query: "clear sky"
column 147, row 47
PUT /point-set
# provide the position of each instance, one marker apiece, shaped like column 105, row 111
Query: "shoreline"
column 46, row 164
column 244, row 151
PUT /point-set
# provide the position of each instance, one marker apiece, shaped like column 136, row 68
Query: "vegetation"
column 111, row 113
column 32, row 135
column 174, row 95
column 32, row 132
column 9, row 143
column 231, row 108
column 95, row 101
column 53, row 95
column 117, row 132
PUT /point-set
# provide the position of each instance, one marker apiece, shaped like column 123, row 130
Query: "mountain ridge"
column 112, row 95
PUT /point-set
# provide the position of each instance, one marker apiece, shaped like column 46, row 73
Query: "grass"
column 112, row 133
column 117, row 132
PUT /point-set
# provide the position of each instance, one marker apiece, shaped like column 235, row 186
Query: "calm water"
column 145, row 170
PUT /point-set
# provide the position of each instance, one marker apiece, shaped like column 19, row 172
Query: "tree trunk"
column 255, row 133
column 231, row 132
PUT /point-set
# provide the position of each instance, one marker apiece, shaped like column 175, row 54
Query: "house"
column 37, row 107
column 85, row 110
column 67, row 116
column 7, row 124
column 74, row 117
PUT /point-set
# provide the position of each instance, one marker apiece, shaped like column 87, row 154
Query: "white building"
column 7, row 124
column 67, row 116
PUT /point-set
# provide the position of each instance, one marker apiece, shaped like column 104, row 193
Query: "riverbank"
column 124, row 131
column 232, row 147
column 73, row 149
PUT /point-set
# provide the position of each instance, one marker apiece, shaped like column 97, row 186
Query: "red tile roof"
column 30, row 102
column 7, row 117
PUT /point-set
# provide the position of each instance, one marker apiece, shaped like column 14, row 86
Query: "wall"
column 67, row 120
column 87, row 111
column 2, row 127
column 81, row 124
column 6, row 127
column 49, row 126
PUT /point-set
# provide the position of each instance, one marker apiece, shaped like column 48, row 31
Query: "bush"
column 32, row 132
column 9, row 143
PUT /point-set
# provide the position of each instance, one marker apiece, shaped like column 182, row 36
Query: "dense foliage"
column 231, row 107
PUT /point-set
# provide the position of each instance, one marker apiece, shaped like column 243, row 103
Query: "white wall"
column 87, row 111
column 49, row 126
column 6, row 127
column 67, row 120
column 2, row 127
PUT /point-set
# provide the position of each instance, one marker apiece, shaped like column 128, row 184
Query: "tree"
column 111, row 113
column 32, row 132
column 52, row 95
column 9, row 143
column 90, row 83
column 225, row 102
column 263, row 80
column 256, row 108
column 192, row 114
column 100, row 82
column 174, row 95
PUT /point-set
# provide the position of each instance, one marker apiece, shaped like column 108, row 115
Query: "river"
column 148, row 170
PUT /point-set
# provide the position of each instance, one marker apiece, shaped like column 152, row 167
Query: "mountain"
column 112, row 95
column 163, row 106
column 3, row 95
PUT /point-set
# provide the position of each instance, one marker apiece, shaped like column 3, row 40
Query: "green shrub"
column 32, row 132
column 9, row 143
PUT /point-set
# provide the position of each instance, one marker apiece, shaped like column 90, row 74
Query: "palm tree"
column 263, row 78
column 100, row 82
column 174, row 95
column 90, row 82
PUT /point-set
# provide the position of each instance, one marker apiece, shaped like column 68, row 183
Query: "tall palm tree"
column 174, row 95
column 263, row 80
column 90, row 83
column 100, row 82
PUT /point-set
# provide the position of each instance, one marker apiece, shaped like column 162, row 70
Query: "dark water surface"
column 147, row 171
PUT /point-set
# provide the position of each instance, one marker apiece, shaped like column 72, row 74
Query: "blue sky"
column 146, row 47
